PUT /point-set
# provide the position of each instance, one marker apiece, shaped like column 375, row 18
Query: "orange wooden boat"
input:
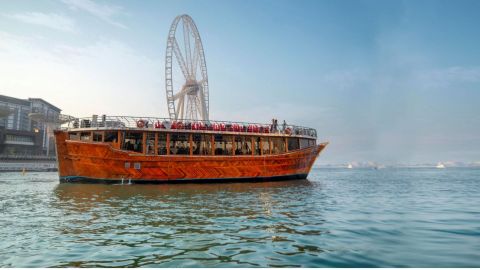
column 154, row 150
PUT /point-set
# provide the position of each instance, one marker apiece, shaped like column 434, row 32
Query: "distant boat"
column 350, row 166
column 440, row 166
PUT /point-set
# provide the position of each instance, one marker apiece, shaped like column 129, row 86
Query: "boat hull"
column 90, row 162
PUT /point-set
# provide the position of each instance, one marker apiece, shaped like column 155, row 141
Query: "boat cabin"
column 154, row 137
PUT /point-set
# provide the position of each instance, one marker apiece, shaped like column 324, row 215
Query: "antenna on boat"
column 186, row 79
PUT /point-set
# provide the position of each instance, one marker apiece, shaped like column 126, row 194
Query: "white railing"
column 107, row 122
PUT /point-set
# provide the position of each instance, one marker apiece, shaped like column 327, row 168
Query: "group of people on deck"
column 274, row 126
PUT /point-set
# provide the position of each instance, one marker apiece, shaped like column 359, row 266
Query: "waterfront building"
column 20, row 135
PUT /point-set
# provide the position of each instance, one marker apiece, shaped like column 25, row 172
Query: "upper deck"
column 190, row 126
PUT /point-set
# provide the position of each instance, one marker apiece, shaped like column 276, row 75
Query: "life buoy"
column 222, row 127
column 288, row 131
column 141, row 123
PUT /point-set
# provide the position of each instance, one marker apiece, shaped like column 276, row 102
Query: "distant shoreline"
column 394, row 167
column 29, row 165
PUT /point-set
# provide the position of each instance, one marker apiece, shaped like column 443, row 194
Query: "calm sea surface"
column 337, row 218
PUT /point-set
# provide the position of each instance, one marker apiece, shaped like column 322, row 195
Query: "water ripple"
column 337, row 218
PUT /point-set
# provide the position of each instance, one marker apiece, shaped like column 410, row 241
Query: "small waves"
column 337, row 218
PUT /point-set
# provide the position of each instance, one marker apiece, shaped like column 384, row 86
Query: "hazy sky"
column 385, row 81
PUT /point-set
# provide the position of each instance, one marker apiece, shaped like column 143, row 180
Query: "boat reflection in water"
column 117, row 194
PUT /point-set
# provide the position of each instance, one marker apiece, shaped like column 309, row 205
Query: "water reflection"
column 342, row 218
column 81, row 193
column 219, row 223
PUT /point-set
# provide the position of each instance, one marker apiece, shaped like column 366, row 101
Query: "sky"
column 382, row 81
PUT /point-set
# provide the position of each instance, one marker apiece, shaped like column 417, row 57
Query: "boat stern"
column 64, row 161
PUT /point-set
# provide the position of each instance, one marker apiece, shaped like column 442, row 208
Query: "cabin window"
column 179, row 144
column 278, row 145
column 162, row 144
column 150, row 143
column 304, row 143
column 97, row 136
column 74, row 136
column 243, row 145
column 256, row 146
column 223, row 145
column 85, row 136
column 202, row 144
column 293, row 144
column 133, row 141
column 265, row 146
column 311, row 142
column 111, row 136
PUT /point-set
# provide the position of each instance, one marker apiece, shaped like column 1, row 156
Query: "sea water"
column 336, row 218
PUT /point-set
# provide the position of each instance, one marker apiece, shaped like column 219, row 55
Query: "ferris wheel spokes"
column 191, row 97
column 180, row 60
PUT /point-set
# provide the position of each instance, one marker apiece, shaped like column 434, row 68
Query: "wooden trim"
column 155, row 145
column 252, row 145
column 285, row 141
column 168, row 144
column 212, row 142
column 270, row 145
column 119, row 139
column 190, row 142
column 144, row 143
column 234, row 146
column 261, row 145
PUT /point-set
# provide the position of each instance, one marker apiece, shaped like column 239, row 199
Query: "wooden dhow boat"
column 120, row 149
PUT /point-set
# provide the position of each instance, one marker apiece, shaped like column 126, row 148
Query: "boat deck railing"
column 155, row 123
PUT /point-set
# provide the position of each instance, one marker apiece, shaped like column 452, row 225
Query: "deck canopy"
column 156, row 123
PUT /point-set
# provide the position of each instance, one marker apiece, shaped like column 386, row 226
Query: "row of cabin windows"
column 196, row 144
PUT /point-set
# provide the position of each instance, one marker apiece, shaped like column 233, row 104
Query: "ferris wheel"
column 186, row 79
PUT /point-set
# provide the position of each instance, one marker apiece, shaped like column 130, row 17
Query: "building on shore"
column 19, row 134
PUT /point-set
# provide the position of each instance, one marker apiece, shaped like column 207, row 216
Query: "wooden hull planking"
column 80, row 161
